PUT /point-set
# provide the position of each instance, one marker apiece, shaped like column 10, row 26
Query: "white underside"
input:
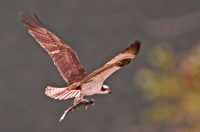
column 91, row 88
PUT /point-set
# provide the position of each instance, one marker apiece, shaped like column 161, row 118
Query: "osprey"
column 80, row 83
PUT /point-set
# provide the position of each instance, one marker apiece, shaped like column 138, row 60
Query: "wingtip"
column 21, row 15
column 28, row 19
column 134, row 47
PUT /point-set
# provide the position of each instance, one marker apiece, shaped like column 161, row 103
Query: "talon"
column 86, row 107
column 92, row 101
column 86, row 103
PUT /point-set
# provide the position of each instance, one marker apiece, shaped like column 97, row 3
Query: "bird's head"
column 105, row 89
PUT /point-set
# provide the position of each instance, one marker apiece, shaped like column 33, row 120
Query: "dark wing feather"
column 122, row 59
column 63, row 56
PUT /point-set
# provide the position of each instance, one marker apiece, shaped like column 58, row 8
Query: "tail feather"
column 61, row 93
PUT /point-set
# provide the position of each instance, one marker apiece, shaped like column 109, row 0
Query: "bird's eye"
column 103, row 89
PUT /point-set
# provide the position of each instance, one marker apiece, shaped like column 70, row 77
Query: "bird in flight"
column 80, row 83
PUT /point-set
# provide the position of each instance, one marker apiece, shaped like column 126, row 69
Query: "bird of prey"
column 80, row 83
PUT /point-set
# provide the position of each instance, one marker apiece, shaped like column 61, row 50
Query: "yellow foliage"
column 173, row 85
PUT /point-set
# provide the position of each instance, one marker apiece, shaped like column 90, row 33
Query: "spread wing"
column 122, row 59
column 63, row 56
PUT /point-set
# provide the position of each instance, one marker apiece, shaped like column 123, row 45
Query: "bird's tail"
column 61, row 93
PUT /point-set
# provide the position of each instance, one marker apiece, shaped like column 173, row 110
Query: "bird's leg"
column 90, row 102
column 84, row 102
column 77, row 102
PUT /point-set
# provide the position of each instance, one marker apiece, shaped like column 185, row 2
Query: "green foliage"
column 173, row 85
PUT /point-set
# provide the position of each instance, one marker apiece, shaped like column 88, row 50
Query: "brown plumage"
column 80, row 84
column 63, row 56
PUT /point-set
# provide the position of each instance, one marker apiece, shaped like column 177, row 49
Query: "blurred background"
column 159, row 92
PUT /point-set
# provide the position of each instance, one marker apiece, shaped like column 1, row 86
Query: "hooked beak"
column 109, row 91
